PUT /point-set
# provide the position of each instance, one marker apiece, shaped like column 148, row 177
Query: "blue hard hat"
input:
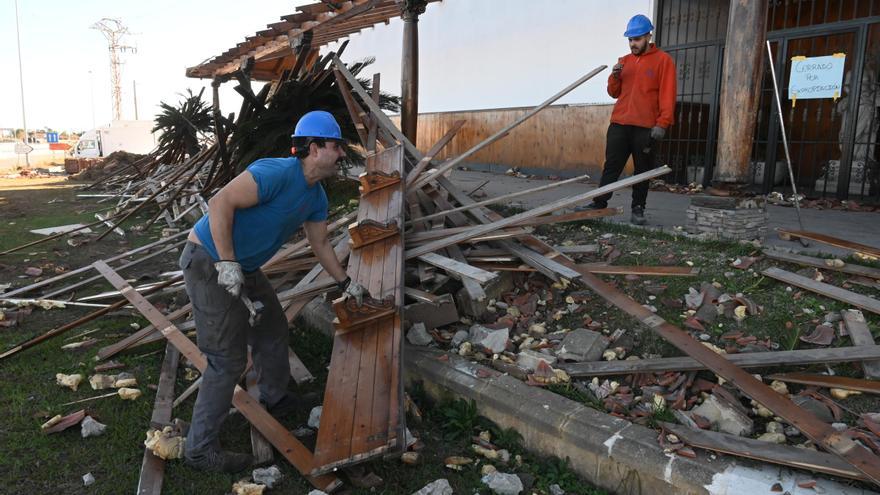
column 637, row 26
column 318, row 124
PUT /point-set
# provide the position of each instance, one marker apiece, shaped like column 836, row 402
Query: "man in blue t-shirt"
column 247, row 222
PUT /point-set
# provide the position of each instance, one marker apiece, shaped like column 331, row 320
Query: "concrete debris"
column 582, row 345
column 459, row 337
column 91, row 428
column 436, row 487
column 724, row 417
column 529, row 359
column 267, row 476
column 315, row 417
column 556, row 490
column 165, row 444
column 245, row 487
column 418, row 335
column 70, row 381
column 88, row 479
column 317, row 492
column 410, row 458
column 503, row 483
column 129, row 393
column 495, row 341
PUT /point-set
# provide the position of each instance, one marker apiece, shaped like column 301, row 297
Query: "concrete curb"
column 609, row 452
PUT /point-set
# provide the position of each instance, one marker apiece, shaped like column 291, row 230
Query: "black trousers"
column 621, row 142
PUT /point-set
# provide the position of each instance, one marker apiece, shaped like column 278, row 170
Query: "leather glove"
column 657, row 133
column 230, row 276
column 616, row 70
column 350, row 288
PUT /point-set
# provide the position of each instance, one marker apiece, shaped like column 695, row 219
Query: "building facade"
column 832, row 141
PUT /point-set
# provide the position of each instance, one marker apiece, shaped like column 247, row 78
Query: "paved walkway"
column 667, row 210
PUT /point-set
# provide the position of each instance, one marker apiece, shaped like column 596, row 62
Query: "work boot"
column 291, row 404
column 592, row 206
column 221, row 461
column 638, row 216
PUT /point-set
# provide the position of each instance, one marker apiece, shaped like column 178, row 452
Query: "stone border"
column 609, row 452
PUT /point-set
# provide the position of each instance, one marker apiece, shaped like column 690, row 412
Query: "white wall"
column 477, row 54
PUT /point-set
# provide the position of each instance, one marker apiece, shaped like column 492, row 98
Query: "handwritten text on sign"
column 816, row 77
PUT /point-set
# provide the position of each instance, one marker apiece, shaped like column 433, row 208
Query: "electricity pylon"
column 114, row 31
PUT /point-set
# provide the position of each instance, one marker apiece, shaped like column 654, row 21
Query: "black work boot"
column 221, row 461
column 638, row 216
column 592, row 206
column 292, row 404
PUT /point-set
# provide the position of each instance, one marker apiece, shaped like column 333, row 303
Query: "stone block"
column 724, row 417
column 582, row 345
column 432, row 315
column 493, row 289
column 418, row 335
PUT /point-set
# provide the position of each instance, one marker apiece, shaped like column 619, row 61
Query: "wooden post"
column 740, row 88
column 409, row 74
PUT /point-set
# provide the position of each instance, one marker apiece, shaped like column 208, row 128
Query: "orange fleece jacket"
column 645, row 91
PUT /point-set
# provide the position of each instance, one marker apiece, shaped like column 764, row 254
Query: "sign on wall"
column 816, row 77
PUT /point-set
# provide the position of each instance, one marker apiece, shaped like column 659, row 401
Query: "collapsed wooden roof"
column 312, row 26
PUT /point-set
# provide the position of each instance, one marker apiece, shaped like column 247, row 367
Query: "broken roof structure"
column 301, row 35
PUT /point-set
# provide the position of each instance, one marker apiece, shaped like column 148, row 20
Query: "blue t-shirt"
column 285, row 202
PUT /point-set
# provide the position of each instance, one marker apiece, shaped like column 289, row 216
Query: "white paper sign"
column 816, row 77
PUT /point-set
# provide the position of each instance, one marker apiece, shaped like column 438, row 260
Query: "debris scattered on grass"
column 267, row 476
column 70, row 381
column 165, row 443
column 91, row 428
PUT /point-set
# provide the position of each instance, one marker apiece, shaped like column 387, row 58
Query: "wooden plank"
column 294, row 451
column 579, row 249
column 438, row 146
column 844, row 382
column 298, row 370
column 260, row 447
column 852, row 269
column 833, row 241
column 153, row 467
column 668, row 271
column 535, row 212
column 505, row 197
column 506, row 130
column 861, row 335
column 361, row 385
column 743, row 360
column 458, row 268
column 827, row 290
column 785, row 455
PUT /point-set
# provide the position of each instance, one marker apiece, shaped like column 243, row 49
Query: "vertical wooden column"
column 409, row 75
column 740, row 88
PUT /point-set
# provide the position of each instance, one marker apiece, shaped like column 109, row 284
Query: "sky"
column 474, row 54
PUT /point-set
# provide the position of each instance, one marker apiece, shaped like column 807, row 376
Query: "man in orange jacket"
column 643, row 83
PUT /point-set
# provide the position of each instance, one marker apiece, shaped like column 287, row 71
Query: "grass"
column 36, row 463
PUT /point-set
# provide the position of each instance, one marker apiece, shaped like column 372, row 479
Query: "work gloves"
column 230, row 276
column 350, row 288
column 657, row 133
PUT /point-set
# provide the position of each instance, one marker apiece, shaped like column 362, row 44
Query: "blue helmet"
column 639, row 25
column 318, row 124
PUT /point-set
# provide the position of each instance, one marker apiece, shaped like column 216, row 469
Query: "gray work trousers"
column 223, row 334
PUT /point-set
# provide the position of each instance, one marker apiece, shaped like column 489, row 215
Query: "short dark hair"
column 301, row 145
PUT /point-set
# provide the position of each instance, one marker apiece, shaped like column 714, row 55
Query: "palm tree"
column 183, row 127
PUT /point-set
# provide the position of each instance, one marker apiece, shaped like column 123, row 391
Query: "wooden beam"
column 506, row 130
column 663, row 271
column 743, row 360
column 504, row 197
column 438, row 146
column 153, row 467
column 760, row 450
column 844, row 382
column 850, row 268
column 861, row 335
column 294, row 451
column 833, row 241
column 458, row 268
column 827, row 290
column 541, row 210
